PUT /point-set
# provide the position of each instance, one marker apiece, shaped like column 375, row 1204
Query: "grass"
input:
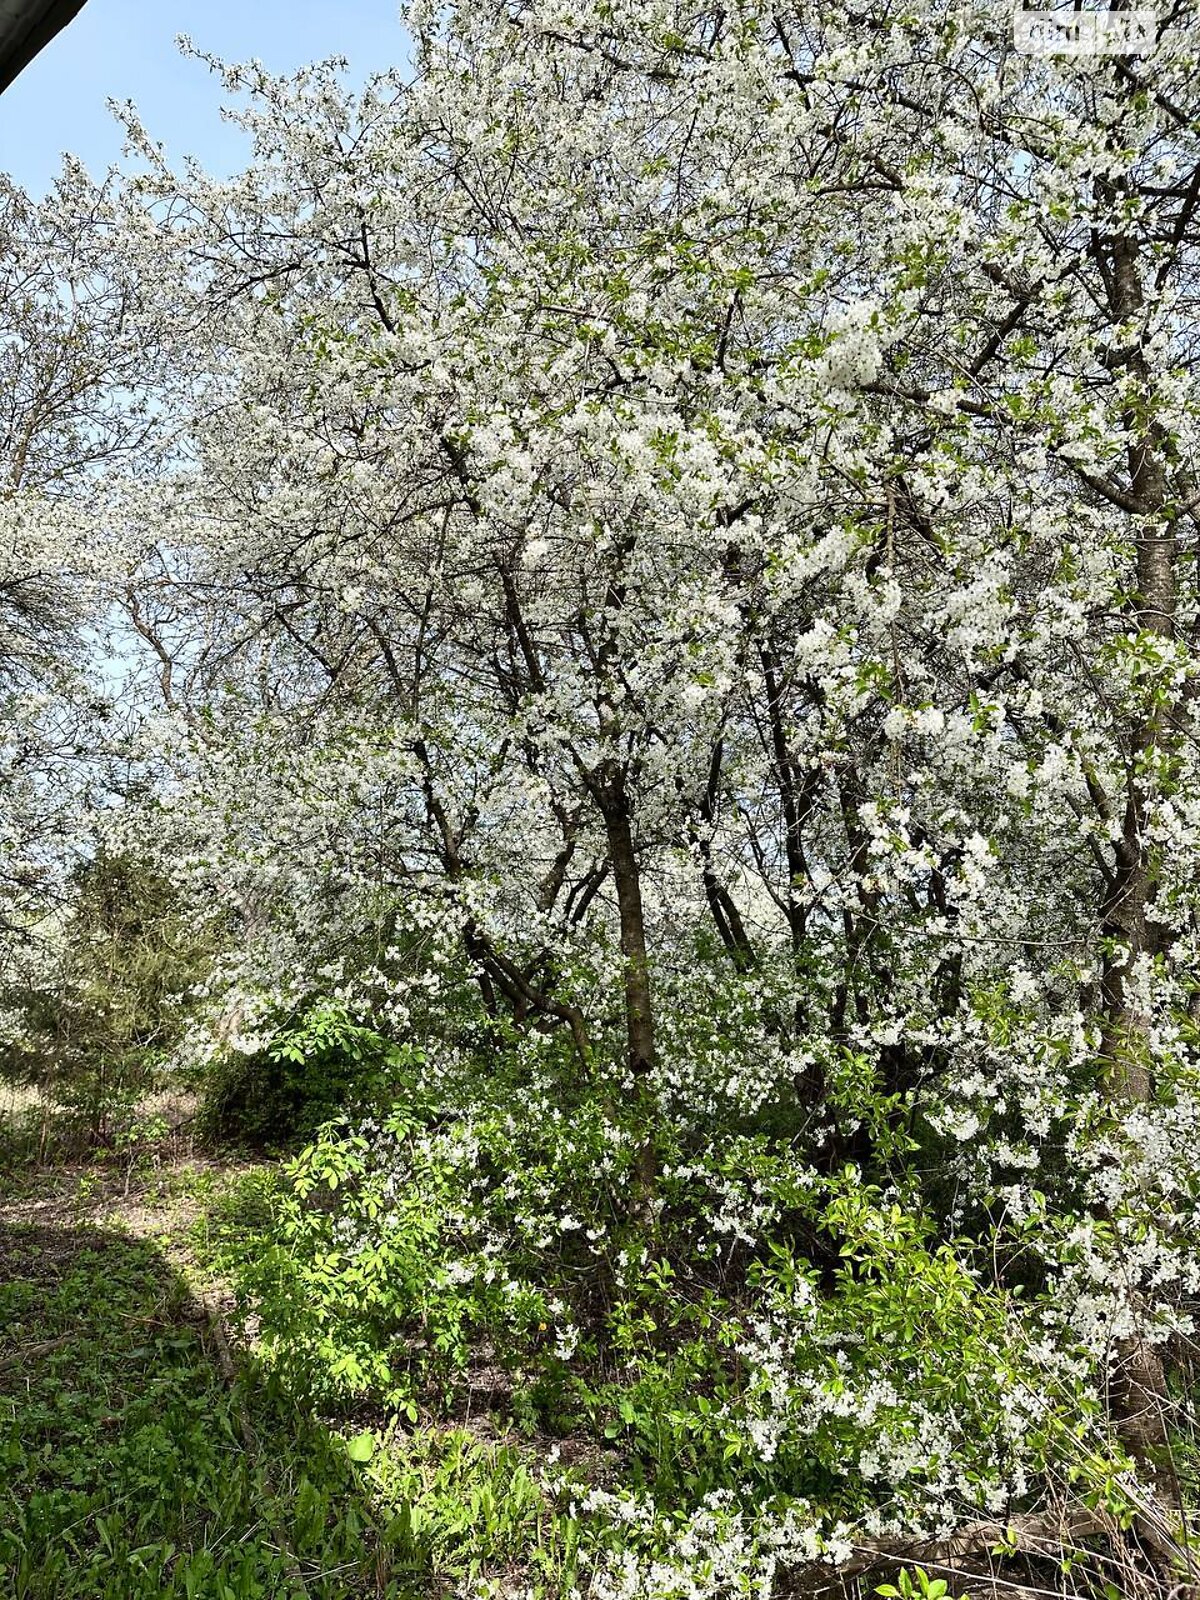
column 124, row 1470
column 137, row 1462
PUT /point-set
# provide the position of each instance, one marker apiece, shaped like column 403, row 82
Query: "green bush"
column 96, row 1025
column 763, row 1332
column 316, row 1063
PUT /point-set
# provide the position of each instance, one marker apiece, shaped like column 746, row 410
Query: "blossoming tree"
column 692, row 509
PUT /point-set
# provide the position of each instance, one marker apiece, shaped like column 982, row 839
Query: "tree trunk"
column 1138, row 1392
column 615, row 808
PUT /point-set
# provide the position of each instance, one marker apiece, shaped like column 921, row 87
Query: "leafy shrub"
column 767, row 1334
column 313, row 1065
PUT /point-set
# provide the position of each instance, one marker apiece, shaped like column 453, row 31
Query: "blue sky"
column 125, row 50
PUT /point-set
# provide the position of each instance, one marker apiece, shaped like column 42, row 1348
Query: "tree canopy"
column 656, row 563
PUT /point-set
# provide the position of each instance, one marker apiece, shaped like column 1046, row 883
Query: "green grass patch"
column 124, row 1472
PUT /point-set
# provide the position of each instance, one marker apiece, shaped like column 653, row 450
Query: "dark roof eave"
column 26, row 27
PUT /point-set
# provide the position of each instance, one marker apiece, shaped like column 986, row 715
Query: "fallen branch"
column 29, row 1352
column 1044, row 1535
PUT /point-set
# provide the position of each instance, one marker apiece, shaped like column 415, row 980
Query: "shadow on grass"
column 131, row 1468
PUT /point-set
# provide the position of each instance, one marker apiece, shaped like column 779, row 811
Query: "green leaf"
column 361, row 1448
